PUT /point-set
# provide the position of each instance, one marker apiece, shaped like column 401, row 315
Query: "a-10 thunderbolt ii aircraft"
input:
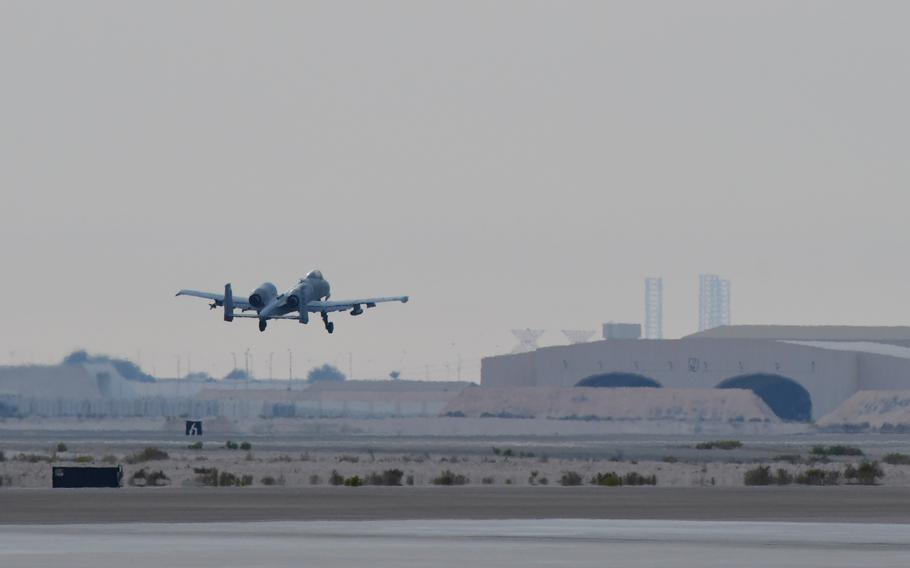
column 311, row 294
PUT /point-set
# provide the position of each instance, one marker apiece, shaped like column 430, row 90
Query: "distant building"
column 97, row 390
column 612, row 330
column 893, row 335
column 801, row 372
column 713, row 301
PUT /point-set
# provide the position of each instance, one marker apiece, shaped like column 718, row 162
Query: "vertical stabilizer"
column 228, row 303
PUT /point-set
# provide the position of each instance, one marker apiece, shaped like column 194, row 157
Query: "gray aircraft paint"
column 310, row 294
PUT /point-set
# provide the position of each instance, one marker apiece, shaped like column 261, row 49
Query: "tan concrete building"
column 801, row 372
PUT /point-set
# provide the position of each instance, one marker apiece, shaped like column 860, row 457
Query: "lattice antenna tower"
column 527, row 339
column 576, row 336
column 713, row 301
column 654, row 308
column 724, row 302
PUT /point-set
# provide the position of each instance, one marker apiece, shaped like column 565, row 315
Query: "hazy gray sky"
column 507, row 164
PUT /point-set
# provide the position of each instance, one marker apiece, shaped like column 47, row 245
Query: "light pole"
column 290, row 367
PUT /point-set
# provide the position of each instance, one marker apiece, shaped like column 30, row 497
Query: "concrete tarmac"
column 541, row 543
column 850, row 504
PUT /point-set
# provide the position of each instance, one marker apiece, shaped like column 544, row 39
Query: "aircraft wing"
column 355, row 305
column 239, row 301
column 256, row 316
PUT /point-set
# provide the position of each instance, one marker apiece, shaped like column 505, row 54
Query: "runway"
column 853, row 504
column 582, row 543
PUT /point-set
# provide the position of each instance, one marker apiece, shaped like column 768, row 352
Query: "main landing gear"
column 262, row 324
column 329, row 326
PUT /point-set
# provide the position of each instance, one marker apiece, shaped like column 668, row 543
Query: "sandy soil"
column 871, row 408
column 447, row 426
column 651, row 404
column 295, row 469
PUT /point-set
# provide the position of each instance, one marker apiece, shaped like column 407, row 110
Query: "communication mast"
column 713, row 301
column 654, row 308
column 527, row 339
column 576, row 336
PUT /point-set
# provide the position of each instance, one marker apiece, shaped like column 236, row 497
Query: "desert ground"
column 318, row 456
column 276, row 499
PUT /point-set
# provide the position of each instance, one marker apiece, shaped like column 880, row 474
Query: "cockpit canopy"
column 314, row 275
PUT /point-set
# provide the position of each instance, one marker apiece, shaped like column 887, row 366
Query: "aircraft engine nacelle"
column 299, row 295
column 263, row 295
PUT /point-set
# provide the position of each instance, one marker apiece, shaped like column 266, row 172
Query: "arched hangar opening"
column 787, row 398
column 617, row 380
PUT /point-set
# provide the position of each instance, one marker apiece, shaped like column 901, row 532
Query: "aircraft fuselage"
column 308, row 289
column 310, row 294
